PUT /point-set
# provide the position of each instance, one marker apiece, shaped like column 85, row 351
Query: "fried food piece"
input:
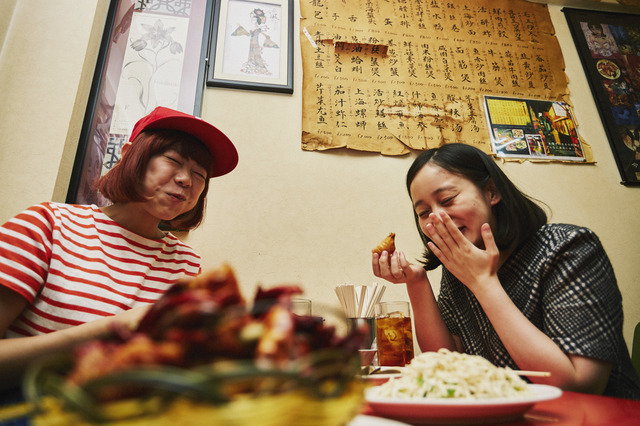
column 388, row 244
column 97, row 358
column 204, row 323
column 191, row 298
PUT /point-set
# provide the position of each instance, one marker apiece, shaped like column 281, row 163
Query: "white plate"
column 363, row 420
column 456, row 410
column 381, row 373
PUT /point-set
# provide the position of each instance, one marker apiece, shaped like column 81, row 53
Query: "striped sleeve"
column 25, row 250
column 97, row 268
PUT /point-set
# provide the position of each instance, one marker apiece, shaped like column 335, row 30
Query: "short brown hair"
column 122, row 182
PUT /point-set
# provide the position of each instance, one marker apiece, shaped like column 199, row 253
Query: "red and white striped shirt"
column 74, row 265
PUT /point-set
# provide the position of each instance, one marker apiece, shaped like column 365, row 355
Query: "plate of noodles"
column 449, row 387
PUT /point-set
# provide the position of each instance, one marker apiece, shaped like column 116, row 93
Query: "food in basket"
column 446, row 374
column 388, row 244
column 201, row 344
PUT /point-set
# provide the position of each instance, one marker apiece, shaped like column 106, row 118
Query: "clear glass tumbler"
column 394, row 334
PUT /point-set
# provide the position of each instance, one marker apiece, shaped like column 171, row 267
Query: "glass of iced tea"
column 394, row 335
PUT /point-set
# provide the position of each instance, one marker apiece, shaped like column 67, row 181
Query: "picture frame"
column 608, row 44
column 533, row 129
column 137, row 32
column 251, row 45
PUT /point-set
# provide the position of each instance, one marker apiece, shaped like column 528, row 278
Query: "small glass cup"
column 367, row 349
column 301, row 307
column 369, row 323
column 394, row 334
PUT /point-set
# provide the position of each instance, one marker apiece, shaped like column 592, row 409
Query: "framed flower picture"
column 152, row 54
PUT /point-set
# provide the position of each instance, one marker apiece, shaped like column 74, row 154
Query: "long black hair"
column 517, row 215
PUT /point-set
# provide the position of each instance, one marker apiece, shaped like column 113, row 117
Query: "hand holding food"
column 396, row 269
column 388, row 245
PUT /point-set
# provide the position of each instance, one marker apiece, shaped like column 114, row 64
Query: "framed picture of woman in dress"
column 609, row 47
column 251, row 45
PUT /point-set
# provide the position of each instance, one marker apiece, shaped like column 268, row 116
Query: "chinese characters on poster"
column 390, row 76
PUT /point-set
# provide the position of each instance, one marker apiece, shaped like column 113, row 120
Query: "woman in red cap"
column 71, row 273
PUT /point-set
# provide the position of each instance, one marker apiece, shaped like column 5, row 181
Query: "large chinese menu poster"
column 393, row 75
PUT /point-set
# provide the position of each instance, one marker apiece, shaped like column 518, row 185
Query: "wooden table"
column 575, row 409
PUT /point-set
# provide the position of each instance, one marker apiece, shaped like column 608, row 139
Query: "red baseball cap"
column 223, row 152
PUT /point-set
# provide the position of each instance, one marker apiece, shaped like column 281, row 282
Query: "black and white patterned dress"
column 563, row 282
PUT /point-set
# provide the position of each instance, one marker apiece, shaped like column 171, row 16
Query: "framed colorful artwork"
column 151, row 54
column 609, row 47
column 533, row 129
column 251, row 45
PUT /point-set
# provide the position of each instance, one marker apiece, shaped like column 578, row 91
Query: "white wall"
column 284, row 215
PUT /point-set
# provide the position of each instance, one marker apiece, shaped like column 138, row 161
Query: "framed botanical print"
column 152, row 54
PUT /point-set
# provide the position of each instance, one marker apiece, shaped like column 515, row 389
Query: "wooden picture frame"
column 251, row 45
column 609, row 48
column 145, row 44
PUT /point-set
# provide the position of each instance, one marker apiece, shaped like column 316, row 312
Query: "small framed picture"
column 251, row 45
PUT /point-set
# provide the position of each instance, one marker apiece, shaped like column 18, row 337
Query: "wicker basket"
column 288, row 408
column 319, row 390
column 239, row 365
